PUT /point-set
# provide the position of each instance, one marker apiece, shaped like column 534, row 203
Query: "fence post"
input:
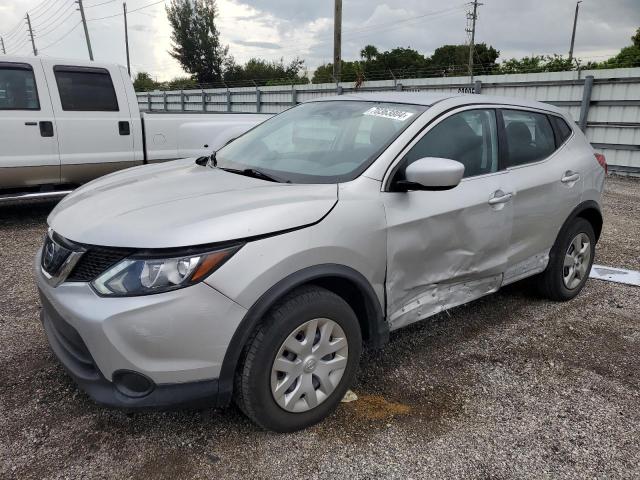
column 149, row 101
column 228, row 100
column 258, row 100
column 165, row 102
column 204, row 101
column 182, row 100
column 586, row 102
column 477, row 87
column 294, row 95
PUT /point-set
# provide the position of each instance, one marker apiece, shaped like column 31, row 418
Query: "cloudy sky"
column 288, row 28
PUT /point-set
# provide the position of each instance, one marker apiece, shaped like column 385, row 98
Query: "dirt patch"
column 376, row 407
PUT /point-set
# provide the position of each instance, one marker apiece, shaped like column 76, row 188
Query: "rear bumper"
column 68, row 346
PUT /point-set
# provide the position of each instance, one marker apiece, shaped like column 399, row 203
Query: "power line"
column 54, row 18
column 43, row 12
column 62, row 37
column 129, row 11
column 99, row 4
column 41, row 4
column 51, row 30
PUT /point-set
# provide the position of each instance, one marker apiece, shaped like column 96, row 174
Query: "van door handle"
column 500, row 197
column 570, row 176
column 123, row 128
column 46, row 129
column 31, row 124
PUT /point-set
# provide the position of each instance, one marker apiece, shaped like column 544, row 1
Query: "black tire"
column 550, row 283
column 252, row 389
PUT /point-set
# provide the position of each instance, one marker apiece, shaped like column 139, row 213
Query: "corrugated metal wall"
column 612, row 121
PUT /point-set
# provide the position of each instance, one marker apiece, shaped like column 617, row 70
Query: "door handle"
column 500, row 197
column 570, row 176
column 46, row 129
column 123, row 128
column 31, row 124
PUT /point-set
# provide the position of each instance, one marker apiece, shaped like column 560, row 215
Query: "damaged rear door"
column 446, row 248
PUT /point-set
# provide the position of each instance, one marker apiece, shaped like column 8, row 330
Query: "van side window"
column 18, row 87
column 85, row 89
column 529, row 136
column 470, row 137
column 562, row 129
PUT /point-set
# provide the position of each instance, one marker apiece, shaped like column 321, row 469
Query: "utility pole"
column 33, row 43
column 337, row 41
column 126, row 37
column 573, row 34
column 86, row 30
column 472, row 17
column 3, row 49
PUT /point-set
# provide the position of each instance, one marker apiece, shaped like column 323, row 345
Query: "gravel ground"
column 510, row 386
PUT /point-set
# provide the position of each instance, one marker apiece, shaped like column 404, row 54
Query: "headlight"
column 143, row 276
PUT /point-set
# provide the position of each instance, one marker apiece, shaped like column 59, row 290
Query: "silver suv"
column 258, row 273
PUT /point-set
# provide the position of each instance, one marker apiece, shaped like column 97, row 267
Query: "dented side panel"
column 445, row 248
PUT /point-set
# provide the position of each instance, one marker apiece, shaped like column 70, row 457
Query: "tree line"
column 196, row 45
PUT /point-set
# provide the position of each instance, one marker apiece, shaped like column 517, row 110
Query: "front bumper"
column 177, row 340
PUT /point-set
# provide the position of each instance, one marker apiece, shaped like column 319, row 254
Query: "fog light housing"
column 132, row 384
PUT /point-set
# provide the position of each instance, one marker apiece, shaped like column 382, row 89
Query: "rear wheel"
column 570, row 262
column 299, row 363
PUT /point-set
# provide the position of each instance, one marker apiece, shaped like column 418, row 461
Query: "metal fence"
column 605, row 103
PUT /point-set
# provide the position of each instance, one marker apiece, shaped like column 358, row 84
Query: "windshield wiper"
column 255, row 173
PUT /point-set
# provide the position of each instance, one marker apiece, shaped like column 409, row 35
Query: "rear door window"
column 529, row 136
column 18, row 87
column 85, row 89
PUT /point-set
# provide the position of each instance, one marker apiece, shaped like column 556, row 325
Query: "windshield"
column 319, row 142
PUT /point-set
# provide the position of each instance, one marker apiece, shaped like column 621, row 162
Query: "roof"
column 428, row 99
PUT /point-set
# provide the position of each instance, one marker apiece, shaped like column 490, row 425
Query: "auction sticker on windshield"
column 391, row 113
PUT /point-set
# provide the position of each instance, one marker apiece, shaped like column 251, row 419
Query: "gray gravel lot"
column 510, row 386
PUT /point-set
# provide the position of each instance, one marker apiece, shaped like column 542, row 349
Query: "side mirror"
column 431, row 173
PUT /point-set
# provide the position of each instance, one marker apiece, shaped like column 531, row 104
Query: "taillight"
column 603, row 162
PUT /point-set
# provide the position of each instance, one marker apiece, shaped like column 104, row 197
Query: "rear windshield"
column 320, row 142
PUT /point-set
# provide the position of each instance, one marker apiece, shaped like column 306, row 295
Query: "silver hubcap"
column 309, row 365
column 576, row 261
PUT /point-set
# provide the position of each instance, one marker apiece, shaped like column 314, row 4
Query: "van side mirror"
column 431, row 173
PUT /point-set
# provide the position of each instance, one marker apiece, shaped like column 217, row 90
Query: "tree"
column 450, row 60
column 369, row 53
column 143, row 82
column 195, row 39
column 627, row 57
column 536, row 64
column 263, row 72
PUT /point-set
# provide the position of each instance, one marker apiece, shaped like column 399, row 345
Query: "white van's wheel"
column 300, row 362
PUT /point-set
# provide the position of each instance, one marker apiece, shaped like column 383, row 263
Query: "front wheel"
column 300, row 362
column 570, row 262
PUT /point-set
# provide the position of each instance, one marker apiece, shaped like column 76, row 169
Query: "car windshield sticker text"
column 391, row 113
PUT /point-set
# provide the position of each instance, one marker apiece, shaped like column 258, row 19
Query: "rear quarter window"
column 85, row 89
column 563, row 130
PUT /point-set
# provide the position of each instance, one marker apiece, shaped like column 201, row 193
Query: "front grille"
column 95, row 261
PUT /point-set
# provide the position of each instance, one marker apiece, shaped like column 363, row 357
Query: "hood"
column 179, row 204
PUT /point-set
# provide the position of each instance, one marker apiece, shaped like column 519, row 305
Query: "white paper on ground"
column 617, row 275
